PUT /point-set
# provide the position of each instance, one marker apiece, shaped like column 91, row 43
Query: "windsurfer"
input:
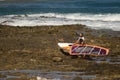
column 80, row 39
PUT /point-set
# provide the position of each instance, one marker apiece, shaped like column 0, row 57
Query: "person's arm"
column 77, row 41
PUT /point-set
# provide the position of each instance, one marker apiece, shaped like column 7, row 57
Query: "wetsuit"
column 81, row 40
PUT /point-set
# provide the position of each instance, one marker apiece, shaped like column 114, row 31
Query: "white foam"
column 95, row 21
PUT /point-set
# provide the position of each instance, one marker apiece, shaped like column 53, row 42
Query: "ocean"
column 95, row 14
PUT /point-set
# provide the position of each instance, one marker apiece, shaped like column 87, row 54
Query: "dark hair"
column 82, row 34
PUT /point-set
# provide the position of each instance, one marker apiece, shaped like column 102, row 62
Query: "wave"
column 95, row 21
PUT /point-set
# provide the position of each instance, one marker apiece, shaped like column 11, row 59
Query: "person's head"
column 81, row 34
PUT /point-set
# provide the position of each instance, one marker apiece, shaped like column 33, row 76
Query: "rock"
column 61, row 40
column 2, row 76
column 117, row 45
column 41, row 78
column 57, row 59
column 92, row 41
column 32, row 60
column 77, row 78
column 101, row 35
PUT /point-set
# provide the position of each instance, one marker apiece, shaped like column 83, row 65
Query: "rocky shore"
column 35, row 48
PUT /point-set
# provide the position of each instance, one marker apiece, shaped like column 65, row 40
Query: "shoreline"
column 97, row 21
column 35, row 48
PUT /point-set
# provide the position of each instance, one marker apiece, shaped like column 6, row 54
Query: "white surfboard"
column 61, row 45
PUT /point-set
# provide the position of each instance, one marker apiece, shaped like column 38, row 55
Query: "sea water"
column 96, row 14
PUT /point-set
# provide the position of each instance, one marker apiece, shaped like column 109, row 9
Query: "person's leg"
column 81, row 41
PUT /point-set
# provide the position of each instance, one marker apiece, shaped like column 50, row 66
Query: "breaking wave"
column 95, row 21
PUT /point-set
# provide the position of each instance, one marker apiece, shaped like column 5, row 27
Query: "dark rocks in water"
column 78, row 78
column 2, row 76
column 57, row 59
column 25, row 15
column 43, row 17
column 7, row 21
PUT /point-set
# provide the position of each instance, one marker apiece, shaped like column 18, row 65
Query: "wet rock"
column 78, row 78
column 17, row 79
column 92, row 41
column 41, row 78
column 117, row 45
column 25, row 15
column 1, row 52
column 61, row 40
column 2, row 76
column 67, row 77
column 57, row 59
column 107, row 44
column 32, row 60
column 33, row 78
column 101, row 35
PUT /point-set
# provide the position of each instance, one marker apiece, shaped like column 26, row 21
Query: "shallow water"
column 57, row 75
column 109, row 60
column 38, row 75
